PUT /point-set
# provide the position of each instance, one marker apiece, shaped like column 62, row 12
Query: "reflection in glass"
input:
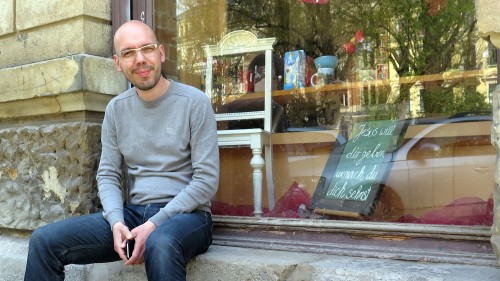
column 418, row 62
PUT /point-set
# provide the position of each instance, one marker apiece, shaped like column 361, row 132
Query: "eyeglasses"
column 146, row 50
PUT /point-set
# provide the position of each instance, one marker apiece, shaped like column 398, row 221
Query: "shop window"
column 395, row 61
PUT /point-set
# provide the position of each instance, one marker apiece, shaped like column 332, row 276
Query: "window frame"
column 401, row 241
column 125, row 10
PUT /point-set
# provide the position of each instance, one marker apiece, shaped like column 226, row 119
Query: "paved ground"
column 223, row 263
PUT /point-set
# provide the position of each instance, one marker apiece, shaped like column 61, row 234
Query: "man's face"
column 139, row 57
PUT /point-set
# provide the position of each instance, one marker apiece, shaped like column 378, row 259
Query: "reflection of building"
column 199, row 23
column 482, row 80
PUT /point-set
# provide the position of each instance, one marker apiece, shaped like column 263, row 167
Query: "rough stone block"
column 488, row 20
column 47, row 173
column 80, row 35
column 495, row 139
column 75, row 83
column 6, row 16
column 59, row 76
column 100, row 75
column 33, row 13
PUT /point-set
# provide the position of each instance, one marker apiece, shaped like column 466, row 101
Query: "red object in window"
column 350, row 48
column 315, row 1
column 289, row 204
column 463, row 211
column 359, row 37
column 225, row 209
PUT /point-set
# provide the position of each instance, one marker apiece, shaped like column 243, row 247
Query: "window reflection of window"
column 406, row 68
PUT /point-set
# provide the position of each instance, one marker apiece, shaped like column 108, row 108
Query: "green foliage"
column 418, row 38
column 422, row 37
column 446, row 102
column 389, row 111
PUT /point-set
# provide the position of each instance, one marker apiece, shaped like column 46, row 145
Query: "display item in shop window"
column 295, row 70
column 256, row 74
column 355, row 43
column 325, row 66
column 294, row 203
column 322, row 77
column 246, row 84
column 259, row 79
column 325, row 62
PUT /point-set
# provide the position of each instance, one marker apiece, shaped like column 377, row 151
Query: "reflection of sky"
column 180, row 7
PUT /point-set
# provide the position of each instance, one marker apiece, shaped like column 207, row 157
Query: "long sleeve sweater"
column 166, row 148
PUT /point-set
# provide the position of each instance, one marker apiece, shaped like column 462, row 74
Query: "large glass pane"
column 411, row 80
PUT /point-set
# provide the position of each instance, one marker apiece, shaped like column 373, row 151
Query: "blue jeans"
column 88, row 239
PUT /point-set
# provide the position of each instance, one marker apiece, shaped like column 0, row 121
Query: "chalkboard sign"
column 356, row 170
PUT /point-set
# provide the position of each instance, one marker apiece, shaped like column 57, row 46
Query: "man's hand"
column 121, row 234
column 141, row 234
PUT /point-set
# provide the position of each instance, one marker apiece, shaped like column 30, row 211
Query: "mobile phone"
column 129, row 248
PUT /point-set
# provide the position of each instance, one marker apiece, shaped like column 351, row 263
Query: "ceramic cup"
column 322, row 77
column 325, row 62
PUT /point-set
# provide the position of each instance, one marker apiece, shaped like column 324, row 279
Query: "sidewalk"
column 222, row 263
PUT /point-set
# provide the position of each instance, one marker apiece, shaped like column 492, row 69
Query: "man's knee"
column 40, row 235
column 160, row 241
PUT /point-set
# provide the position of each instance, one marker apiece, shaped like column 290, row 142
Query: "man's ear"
column 117, row 63
column 162, row 52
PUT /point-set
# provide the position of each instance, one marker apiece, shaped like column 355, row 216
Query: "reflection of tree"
column 227, row 71
column 197, row 27
column 317, row 29
column 449, row 101
column 426, row 36
column 423, row 41
column 301, row 111
column 417, row 37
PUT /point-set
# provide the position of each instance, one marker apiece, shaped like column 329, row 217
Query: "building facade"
column 422, row 97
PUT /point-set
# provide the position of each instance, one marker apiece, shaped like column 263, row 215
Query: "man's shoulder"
column 188, row 91
column 123, row 96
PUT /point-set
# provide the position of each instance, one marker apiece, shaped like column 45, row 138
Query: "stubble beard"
column 147, row 84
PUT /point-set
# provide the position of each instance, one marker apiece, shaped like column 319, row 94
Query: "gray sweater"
column 167, row 148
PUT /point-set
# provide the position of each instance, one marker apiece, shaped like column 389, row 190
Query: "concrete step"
column 222, row 263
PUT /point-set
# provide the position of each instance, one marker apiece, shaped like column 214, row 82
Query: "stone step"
column 233, row 263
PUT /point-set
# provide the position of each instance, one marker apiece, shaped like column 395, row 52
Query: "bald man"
column 160, row 138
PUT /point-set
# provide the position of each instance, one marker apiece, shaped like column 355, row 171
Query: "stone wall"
column 47, row 173
column 57, row 76
column 55, row 62
column 33, row 31
column 488, row 23
column 72, row 88
column 488, row 20
column 495, row 137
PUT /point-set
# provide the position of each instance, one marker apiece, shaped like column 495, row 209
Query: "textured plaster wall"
column 488, row 20
column 47, row 173
column 488, row 24
column 495, row 137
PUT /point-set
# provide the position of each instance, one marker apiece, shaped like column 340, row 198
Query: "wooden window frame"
column 125, row 10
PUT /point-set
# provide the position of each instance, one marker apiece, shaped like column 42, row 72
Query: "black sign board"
column 356, row 170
